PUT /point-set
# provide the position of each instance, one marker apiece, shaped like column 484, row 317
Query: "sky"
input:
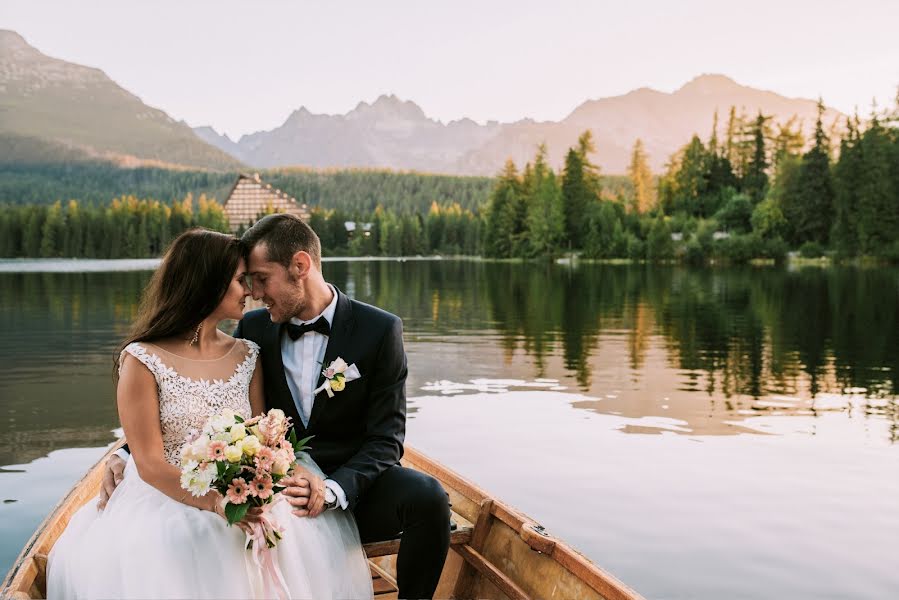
column 244, row 66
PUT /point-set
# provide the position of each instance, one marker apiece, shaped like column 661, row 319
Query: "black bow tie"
column 320, row 325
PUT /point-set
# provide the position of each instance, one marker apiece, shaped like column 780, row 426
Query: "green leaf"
column 231, row 473
column 299, row 446
column 236, row 512
column 238, row 418
column 221, row 466
column 292, row 438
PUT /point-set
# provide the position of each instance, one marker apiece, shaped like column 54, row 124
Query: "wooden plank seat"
column 383, row 581
column 461, row 534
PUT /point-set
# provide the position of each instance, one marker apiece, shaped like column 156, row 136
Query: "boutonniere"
column 337, row 374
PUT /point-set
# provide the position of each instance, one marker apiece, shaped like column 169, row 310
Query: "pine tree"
column 809, row 209
column 690, row 179
column 732, row 151
column 713, row 138
column 501, row 213
column 719, row 174
column 8, row 226
column 641, row 178
column 546, row 215
column 580, row 188
column 787, row 142
column 847, row 174
column 576, row 198
column 74, row 236
column 586, row 148
column 755, row 178
column 659, row 245
column 878, row 221
column 51, row 232
column 605, row 235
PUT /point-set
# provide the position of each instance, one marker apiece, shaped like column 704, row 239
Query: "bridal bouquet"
column 244, row 460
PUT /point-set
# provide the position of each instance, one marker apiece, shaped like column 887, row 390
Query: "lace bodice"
column 186, row 403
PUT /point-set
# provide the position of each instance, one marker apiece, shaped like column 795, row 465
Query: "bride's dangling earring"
column 196, row 335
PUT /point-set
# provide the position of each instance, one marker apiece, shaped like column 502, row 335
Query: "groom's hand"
column 112, row 476
column 306, row 493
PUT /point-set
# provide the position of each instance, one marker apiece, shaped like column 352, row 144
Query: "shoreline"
column 103, row 265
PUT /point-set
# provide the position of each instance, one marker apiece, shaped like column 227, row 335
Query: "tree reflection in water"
column 706, row 346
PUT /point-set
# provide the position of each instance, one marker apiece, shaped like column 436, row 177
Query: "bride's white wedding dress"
column 148, row 545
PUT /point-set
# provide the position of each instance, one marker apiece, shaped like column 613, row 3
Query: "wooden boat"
column 496, row 551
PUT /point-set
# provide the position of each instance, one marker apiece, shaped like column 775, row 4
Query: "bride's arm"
column 138, row 403
column 257, row 396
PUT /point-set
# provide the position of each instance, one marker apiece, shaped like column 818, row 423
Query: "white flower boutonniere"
column 337, row 374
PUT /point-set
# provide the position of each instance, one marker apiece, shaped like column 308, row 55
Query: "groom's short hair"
column 284, row 235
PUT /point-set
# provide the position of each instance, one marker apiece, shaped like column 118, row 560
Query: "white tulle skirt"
column 147, row 545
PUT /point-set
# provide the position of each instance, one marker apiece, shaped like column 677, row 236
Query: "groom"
column 359, row 432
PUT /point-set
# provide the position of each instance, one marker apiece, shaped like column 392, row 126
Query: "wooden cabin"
column 251, row 197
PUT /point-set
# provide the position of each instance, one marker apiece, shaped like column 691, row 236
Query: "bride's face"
column 235, row 299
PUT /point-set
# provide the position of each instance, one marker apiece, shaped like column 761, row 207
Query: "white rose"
column 339, row 365
column 220, row 423
column 238, row 432
column 251, row 445
column 200, row 448
column 280, row 467
column 233, row 454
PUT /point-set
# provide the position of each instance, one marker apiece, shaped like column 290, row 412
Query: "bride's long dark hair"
column 190, row 283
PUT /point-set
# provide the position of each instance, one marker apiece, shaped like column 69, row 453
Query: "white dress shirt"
column 302, row 360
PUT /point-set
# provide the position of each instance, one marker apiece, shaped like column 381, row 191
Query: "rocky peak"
column 10, row 41
column 710, row 84
column 388, row 106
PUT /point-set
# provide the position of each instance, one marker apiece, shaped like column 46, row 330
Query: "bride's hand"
column 218, row 506
column 112, row 476
column 254, row 515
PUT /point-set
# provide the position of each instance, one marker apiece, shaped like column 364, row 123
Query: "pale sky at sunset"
column 243, row 66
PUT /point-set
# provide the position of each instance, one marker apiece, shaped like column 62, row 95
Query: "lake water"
column 699, row 433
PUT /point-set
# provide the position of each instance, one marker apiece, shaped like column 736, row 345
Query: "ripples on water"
column 701, row 434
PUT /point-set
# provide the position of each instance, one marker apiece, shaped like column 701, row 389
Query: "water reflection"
column 709, row 348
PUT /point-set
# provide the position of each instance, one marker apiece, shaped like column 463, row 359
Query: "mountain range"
column 55, row 110
column 52, row 110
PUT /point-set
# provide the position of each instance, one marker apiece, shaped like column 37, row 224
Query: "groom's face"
column 279, row 287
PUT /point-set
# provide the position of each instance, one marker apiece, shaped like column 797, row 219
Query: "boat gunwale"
column 10, row 585
column 600, row 580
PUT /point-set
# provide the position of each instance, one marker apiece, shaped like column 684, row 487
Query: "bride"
column 176, row 369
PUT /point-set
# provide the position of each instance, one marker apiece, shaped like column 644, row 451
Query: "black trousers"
column 413, row 506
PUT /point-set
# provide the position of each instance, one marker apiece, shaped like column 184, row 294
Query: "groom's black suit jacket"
column 359, row 432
